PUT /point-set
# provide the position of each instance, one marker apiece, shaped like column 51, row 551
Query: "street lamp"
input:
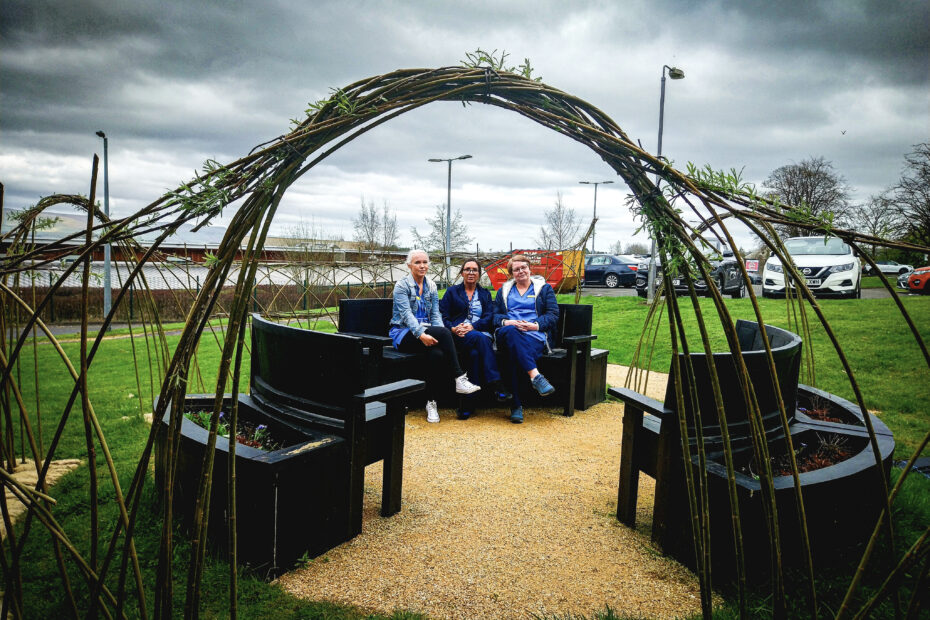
column 449, row 207
column 107, row 300
column 595, row 184
column 676, row 74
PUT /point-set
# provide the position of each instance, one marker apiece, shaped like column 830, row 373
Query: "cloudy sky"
column 174, row 83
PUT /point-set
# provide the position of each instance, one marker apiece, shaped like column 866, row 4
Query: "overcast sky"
column 174, row 83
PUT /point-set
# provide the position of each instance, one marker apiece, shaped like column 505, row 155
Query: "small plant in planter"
column 247, row 434
column 828, row 450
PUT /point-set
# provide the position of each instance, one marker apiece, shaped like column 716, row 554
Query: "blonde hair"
column 413, row 253
column 517, row 258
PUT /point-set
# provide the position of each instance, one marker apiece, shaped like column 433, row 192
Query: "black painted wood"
column 317, row 381
column 651, row 444
column 572, row 366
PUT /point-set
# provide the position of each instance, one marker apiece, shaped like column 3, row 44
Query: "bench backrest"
column 309, row 370
column 366, row 316
column 574, row 320
column 373, row 316
column 786, row 352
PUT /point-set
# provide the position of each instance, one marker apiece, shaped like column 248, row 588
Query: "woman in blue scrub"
column 468, row 312
column 417, row 328
column 525, row 313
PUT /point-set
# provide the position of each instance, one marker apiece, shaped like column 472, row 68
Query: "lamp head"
column 101, row 134
column 675, row 73
column 435, row 159
column 464, row 157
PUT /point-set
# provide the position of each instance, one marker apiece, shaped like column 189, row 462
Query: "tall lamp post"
column 449, row 207
column 676, row 74
column 595, row 184
column 107, row 299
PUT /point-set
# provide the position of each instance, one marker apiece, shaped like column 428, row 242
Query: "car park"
column 827, row 263
column 890, row 267
column 610, row 270
column 725, row 275
column 919, row 280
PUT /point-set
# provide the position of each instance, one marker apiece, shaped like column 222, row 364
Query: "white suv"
column 828, row 264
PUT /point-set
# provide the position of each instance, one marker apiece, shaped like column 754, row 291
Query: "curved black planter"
column 842, row 502
column 290, row 502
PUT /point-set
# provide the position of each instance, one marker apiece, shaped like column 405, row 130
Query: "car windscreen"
column 816, row 245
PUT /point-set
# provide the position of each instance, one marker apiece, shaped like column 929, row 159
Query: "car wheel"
column 641, row 293
column 740, row 292
column 858, row 293
column 611, row 280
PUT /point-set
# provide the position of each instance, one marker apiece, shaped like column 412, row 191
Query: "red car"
column 917, row 282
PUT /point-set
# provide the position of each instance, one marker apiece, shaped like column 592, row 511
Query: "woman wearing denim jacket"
column 417, row 328
column 526, row 314
column 468, row 312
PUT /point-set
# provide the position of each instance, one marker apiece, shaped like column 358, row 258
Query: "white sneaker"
column 432, row 411
column 464, row 386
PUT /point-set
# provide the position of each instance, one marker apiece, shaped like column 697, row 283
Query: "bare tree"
column 814, row 187
column 435, row 239
column 560, row 227
column 389, row 232
column 636, row 248
column 879, row 217
column 367, row 226
column 911, row 194
column 616, row 247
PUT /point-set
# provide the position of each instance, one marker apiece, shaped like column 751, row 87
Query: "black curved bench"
column 839, row 510
column 315, row 381
column 573, row 366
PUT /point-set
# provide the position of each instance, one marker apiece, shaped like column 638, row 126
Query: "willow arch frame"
column 260, row 179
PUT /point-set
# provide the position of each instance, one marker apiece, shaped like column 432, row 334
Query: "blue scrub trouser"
column 521, row 350
column 478, row 353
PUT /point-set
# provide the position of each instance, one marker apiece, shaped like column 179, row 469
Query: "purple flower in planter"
column 262, row 427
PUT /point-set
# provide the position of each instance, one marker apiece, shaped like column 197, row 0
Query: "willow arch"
column 257, row 183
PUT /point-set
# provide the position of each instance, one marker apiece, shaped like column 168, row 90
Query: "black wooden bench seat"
column 317, row 381
column 573, row 366
column 651, row 443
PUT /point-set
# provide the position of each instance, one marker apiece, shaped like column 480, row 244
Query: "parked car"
column 610, row 270
column 890, row 266
column 827, row 263
column 902, row 280
column 725, row 275
column 917, row 282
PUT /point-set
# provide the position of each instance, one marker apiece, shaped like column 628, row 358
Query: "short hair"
column 469, row 260
column 517, row 258
column 413, row 252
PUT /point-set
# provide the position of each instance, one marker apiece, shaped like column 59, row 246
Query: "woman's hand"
column 462, row 328
column 427, row 340
column 523, row 326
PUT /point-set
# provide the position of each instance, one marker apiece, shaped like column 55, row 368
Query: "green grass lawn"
column 882, row 353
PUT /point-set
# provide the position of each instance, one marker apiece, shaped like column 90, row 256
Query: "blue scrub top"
column 523, row 308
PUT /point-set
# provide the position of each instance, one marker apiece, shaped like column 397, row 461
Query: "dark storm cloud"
column 174, row 83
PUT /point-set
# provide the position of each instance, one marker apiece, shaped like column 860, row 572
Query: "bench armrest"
column 644, row 403
column 579, row 339
column 370, row 339
column 389, row 391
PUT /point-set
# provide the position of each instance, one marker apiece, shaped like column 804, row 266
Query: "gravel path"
column 503, row 521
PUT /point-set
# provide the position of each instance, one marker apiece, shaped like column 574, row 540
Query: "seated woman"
column 468, row 312
column 416, row 327
column 526, row 314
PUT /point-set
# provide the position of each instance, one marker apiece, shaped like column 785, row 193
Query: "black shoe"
column 501, row 393
column 463, row 415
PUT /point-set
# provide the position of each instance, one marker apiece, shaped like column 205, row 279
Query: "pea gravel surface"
column 505, row 521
